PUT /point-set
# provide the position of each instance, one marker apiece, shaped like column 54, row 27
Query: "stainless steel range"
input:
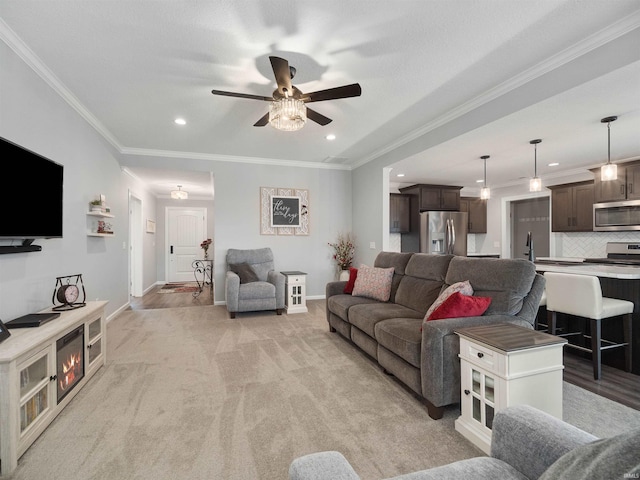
column 619, row 253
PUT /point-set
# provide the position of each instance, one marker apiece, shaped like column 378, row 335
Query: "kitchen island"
column 617, row 281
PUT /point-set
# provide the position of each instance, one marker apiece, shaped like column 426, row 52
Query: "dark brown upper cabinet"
column 399, row 213
column 572, row 207
column 477, row 210
column 435, row 197
column 625, row 187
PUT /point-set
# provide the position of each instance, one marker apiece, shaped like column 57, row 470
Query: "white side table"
column 296, row 298
column 503, row 365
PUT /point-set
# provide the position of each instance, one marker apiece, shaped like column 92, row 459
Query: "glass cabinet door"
column 483, row 397
column 33, row 376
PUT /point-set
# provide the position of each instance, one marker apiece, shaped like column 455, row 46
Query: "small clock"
column 67, row 293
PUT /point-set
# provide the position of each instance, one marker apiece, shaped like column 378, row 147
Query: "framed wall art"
column 284, row 211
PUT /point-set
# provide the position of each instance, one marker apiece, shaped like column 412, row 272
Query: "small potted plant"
column 95, row 205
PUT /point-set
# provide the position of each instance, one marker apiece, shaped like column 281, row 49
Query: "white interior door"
column 186, row 229
column 135, row 246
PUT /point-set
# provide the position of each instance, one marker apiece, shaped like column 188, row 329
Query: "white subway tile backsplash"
column 592, row 244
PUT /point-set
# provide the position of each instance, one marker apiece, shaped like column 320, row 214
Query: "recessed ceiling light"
column 400, row 175
column 554, row 164
column 180, row 121
column 331, row 136
column 480, row 181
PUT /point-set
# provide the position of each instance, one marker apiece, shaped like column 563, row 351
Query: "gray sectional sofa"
column 424, row 356
column 526, row 444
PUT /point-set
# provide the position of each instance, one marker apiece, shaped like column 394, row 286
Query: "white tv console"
column 28, row 387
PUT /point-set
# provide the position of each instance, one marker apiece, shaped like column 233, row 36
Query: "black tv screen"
column 31, row 206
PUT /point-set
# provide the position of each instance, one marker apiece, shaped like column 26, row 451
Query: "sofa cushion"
column 615, row 457
column 373, row 282
column 399, row 262
column 353, row 274
column 459, row 305
column 506, row 281
column 478, row 468
column 256, row 290
column 422, row 281
column 401, row 336
column 365, row 316
column 462, row 287
column 340, row 304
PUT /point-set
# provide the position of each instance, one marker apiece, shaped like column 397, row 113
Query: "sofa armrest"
column 440, row 366
column 531, row 440
column 232, row 291
column 322, row 466
column 277, row 279
column 333, row 288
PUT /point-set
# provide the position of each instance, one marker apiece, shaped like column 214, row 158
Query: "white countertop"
column 625, row 272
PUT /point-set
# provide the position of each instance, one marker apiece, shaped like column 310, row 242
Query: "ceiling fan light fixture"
column 485, row 192
column 609, row 171
column 287, row 114
column 179, row 194
column 535, row 184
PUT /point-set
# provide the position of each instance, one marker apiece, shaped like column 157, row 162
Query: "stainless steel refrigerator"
column 444, row 232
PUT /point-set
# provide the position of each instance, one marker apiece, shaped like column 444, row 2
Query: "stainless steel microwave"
column 616, row 216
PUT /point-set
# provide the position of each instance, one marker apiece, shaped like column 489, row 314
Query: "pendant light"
column 535, row 184
column 609, row 171
column 485, row 193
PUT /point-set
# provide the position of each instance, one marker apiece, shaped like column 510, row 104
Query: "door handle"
column 171, row 250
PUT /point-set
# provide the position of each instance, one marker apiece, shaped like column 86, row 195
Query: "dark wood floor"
column 614, row 384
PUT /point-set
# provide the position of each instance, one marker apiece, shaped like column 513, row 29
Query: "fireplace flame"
column 70, row 369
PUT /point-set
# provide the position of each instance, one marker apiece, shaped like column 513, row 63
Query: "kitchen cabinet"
column 477, row 210
column 399, row 213
column 625, row 187
column 572, row 207
column 435, row 197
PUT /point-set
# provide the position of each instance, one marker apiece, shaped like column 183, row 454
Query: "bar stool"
column 538, row 325
column 581, row 296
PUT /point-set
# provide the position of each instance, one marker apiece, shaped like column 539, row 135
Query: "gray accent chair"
column 265, row 294
column 526, row 444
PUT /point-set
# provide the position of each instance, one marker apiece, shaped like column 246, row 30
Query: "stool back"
column 579, row 295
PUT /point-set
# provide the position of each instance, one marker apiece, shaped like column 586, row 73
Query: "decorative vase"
column 344, row 275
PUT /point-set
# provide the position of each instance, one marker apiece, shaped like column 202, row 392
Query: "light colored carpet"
column 188, row 393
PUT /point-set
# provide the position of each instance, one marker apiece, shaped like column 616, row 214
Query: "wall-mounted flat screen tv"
column 31, row 205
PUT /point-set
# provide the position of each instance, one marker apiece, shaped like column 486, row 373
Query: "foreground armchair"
column 526, row 444
column 251, row 282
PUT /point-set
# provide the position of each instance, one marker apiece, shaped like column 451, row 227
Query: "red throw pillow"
column 353, row 274
column 459, row 305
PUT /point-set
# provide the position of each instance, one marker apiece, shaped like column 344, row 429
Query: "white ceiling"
column 426, row 68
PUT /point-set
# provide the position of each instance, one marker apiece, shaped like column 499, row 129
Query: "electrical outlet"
column 372, row 245
column 496, row 244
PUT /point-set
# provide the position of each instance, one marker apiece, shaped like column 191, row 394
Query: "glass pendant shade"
column 535, row 184
column 608, row 171
column 288, row 114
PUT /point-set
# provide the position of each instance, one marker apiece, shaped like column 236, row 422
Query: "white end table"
column 503, row 365
column 296, row 298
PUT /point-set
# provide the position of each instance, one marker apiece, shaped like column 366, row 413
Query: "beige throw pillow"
column 463, row 287
column 373, row 282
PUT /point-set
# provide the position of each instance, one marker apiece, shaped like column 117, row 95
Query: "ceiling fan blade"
column 242, row 95
column 318, row 117
column 264, row 120
column 282, row 73
column 345, row 91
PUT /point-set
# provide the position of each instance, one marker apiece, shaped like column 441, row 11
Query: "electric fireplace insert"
column 70, row 361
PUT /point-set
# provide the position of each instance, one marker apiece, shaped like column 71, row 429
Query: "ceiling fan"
column 287, row 110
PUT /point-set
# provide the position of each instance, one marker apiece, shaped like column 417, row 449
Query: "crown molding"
column 231, row 158
column 597, row 39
